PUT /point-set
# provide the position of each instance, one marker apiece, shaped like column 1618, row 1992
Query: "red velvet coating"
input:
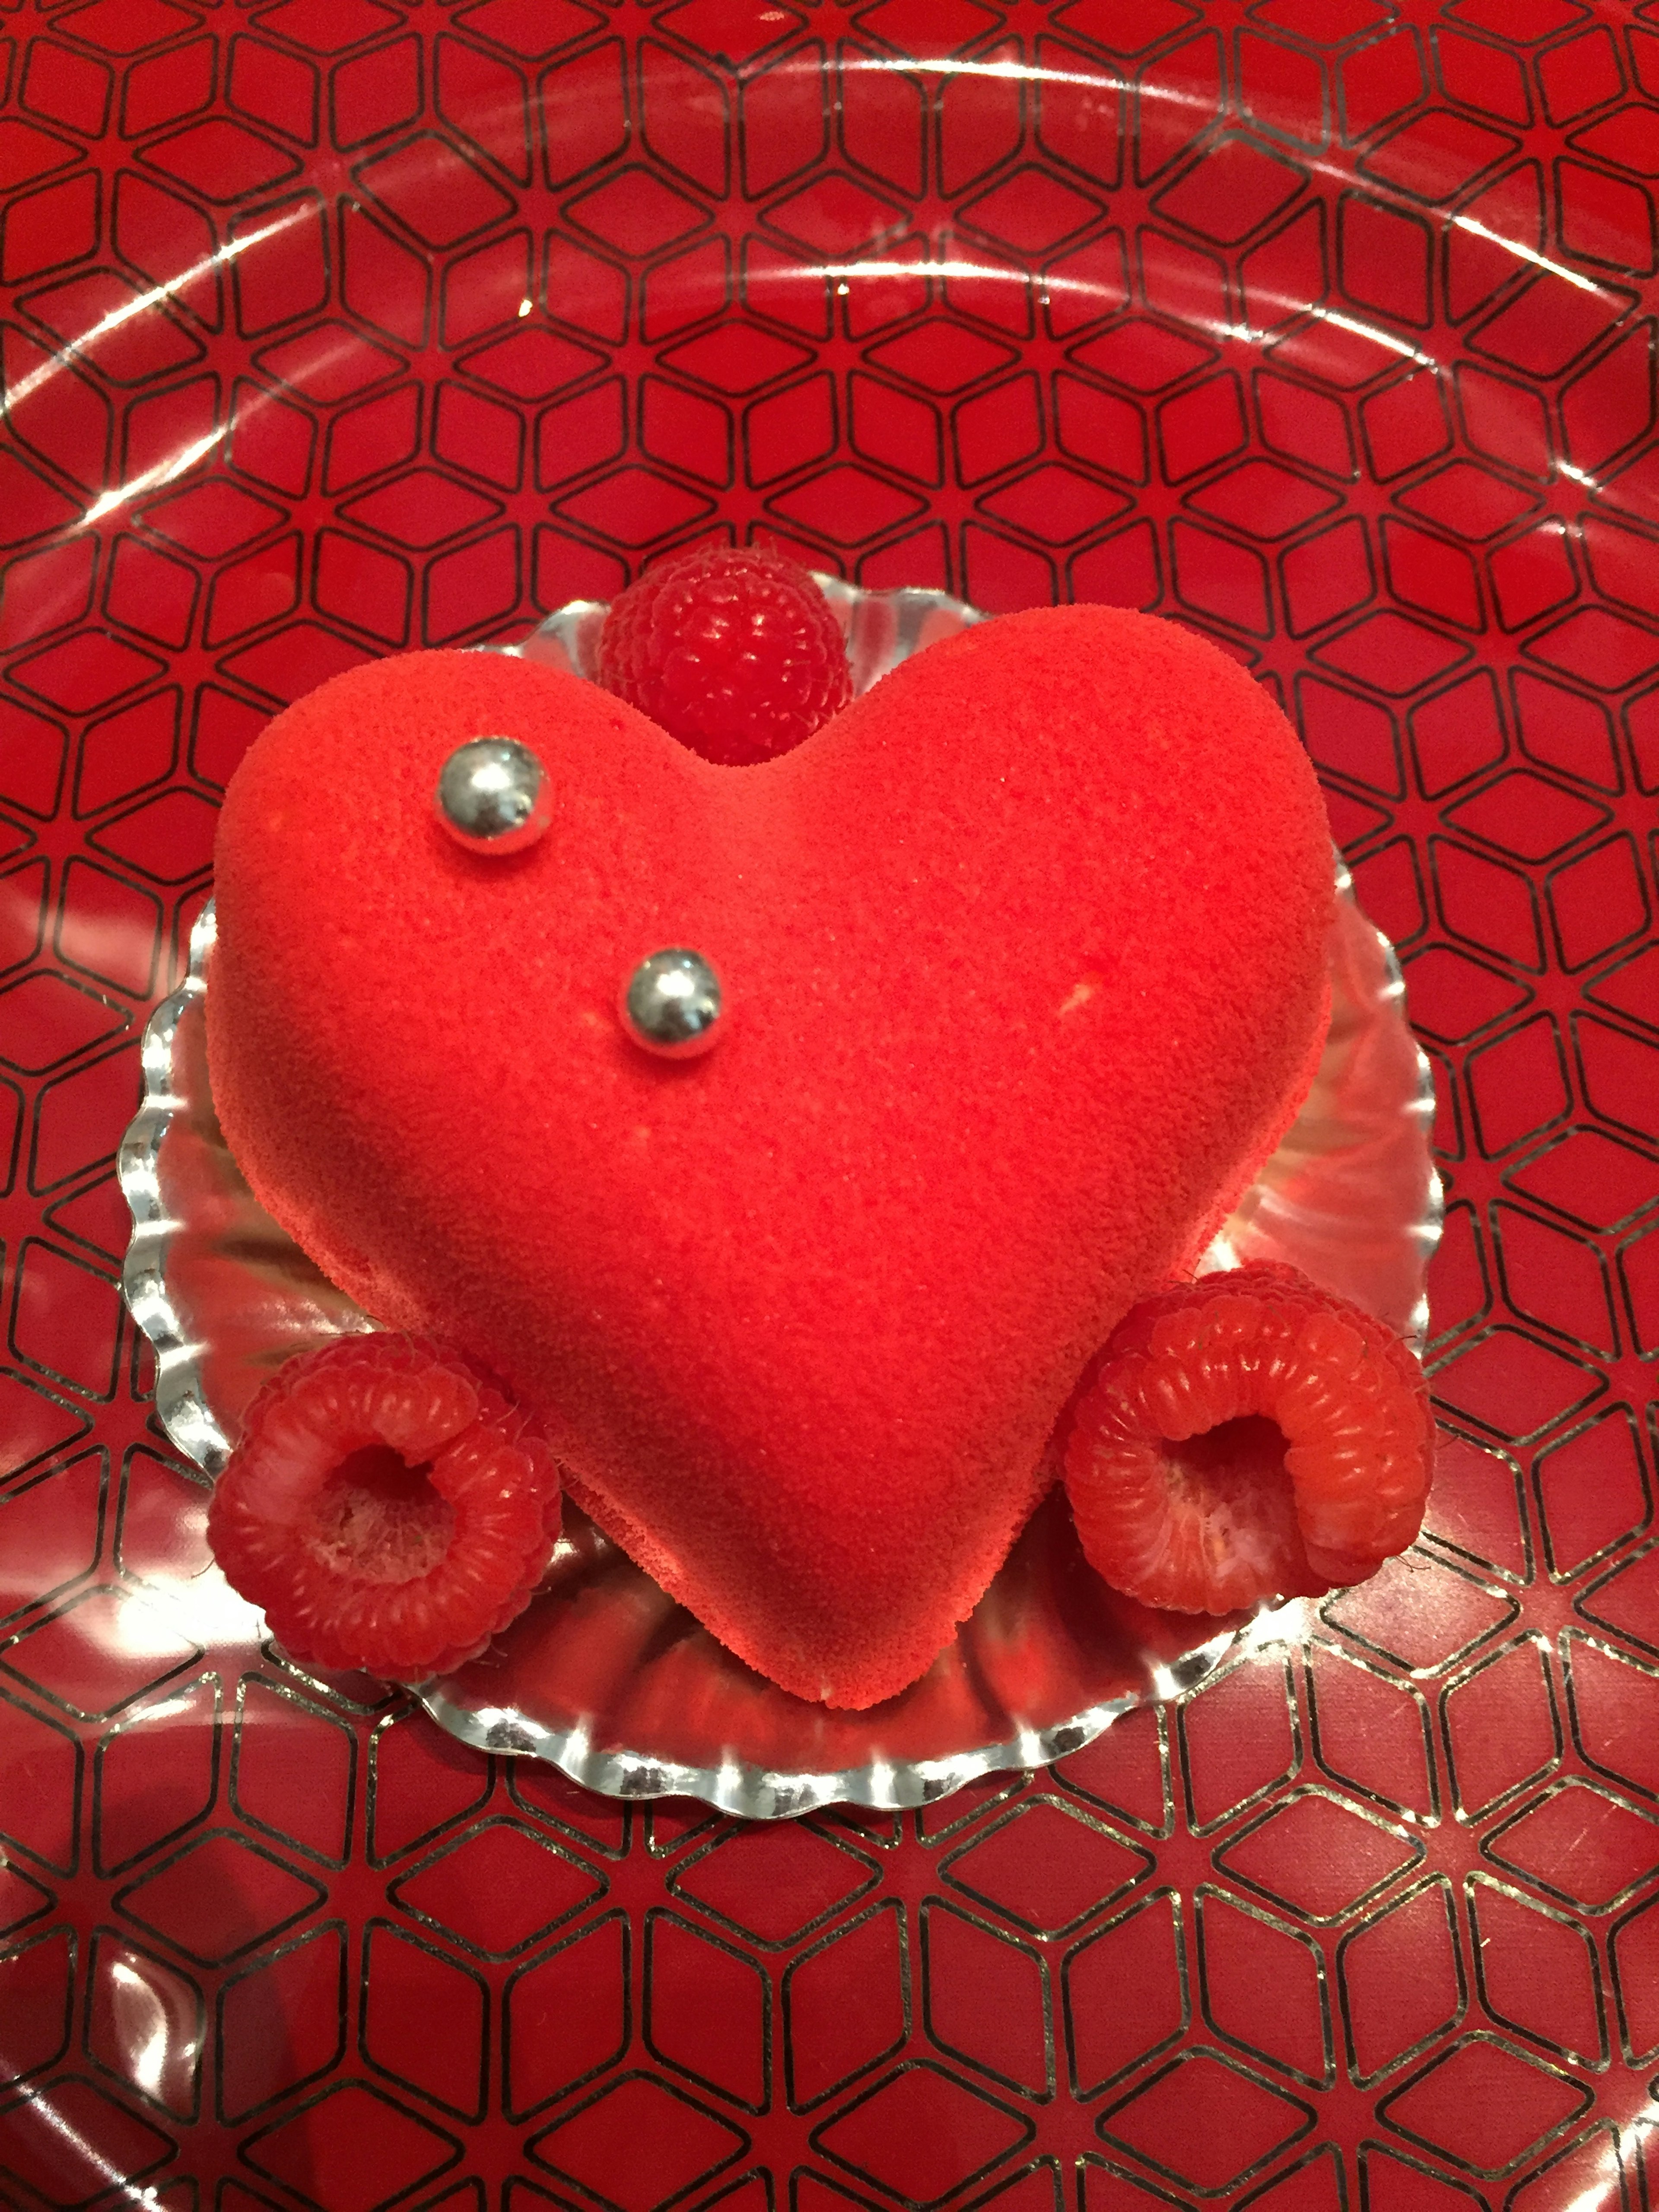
column 1023, row 962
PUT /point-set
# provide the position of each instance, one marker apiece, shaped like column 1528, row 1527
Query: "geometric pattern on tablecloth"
column 342, row 327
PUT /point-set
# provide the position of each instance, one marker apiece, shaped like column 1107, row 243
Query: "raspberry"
column 1244, row 1436
column 736, row 654
column 387, row 1507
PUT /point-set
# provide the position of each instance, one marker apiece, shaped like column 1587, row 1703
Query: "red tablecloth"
column 335, row 327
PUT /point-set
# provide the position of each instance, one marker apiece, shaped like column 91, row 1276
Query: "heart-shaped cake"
column 1022, row 962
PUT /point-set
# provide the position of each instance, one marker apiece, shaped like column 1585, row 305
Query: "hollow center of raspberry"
column 380, row 1520
column 1233, row 1480
column 1234, row 1460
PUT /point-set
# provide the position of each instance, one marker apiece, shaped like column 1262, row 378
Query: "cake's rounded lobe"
column 1024, row 963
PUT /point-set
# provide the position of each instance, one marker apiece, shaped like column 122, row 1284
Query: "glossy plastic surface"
column 1325, row 325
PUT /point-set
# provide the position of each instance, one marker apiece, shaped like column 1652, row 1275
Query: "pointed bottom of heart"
column 603, row 1659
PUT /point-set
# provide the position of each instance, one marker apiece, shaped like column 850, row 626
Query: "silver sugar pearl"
column 671, row 1004
column 492, row 796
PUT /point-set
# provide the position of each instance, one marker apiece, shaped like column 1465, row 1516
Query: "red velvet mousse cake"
column 1019, row 974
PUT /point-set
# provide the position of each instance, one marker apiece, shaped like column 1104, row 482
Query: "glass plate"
column 1323, row 324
